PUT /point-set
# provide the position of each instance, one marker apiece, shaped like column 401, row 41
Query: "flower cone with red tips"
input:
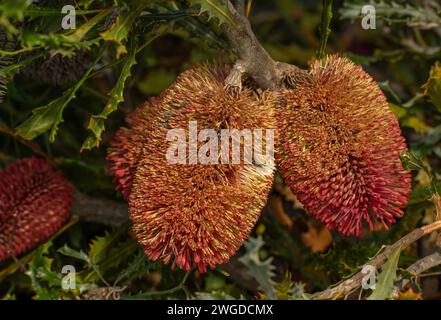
column 193, row 214
column 34, row 203
column 340, row 147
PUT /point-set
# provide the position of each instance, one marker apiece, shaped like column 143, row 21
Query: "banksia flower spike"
column 340, row 147
column 34, row 203
column 126, row 147
column 59, row 70
column 189, row 213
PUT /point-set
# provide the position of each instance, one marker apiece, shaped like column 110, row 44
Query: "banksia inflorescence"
column 192, row 214
column 340, row 147
column 34, row 203
column 59, row 70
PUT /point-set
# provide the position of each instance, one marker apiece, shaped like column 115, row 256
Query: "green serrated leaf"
column 107, row 252
column 45, row 281
column 49, row 117
column 97, row 122
column 12, row 9
column 39, row 11
column 139, row 266
column 45, row 118
column 385, row 282
column 393, row 12
column 69, row 252
column 100, row 246
column 64, row 43
column 79, row 33
column 289, row 290
column 432, row 88
column 9, row 70
column 119, row 31
column 262, row 271
column 215, row 9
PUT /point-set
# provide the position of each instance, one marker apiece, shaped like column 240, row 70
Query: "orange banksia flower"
column 340, row 147
column 126, row 147
column 193, row 214
column 34, row 203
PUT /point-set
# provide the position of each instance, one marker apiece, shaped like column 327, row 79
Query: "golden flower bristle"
column 340, row 147
column 198, row 214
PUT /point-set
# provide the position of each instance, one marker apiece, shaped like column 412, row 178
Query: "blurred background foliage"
column 66, row 92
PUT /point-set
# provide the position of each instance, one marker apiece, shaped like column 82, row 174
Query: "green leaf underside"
column 262, row 271
column 386, row 278
column 97, row 122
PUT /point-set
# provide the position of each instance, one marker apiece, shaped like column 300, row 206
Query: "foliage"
column 386, row 279
column 137, row 49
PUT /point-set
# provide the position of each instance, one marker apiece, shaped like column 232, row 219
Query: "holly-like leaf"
column 119, row 31
column 39, row 11
column 79, row 33
column 97, row 122
column 262, row 271
column 215, row 9
column 384, row 286
column 46, row 118
column 100, row 246
column 69, row 252
column 45, row 281
column 139, row 266
column 49, row 117
column 393, row 12
column 14, row 10
column 432, row 88
column 65, row 43
column 107, row 252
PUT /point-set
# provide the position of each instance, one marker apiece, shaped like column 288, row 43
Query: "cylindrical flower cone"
column 35, row 201
column 340, row 148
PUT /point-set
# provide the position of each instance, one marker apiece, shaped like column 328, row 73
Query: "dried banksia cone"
column 59, row 70
column 340, row 147
column 188, row 213
column 34, row 203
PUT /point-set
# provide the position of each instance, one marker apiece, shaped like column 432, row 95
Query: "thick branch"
column 347, row 286
column 104, row 211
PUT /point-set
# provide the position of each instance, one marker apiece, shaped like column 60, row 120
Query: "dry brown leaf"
column 317, row 239
column 280, row 214
column 410, row 295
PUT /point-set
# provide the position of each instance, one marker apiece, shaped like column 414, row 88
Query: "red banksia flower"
column 192, row 214
column 125, row 149
column 34, row 203
column 340, row 147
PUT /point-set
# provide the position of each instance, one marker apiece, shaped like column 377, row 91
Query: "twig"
column 430, row 274
column 348, row 285
column 253, row 59
column 149, row 294
column 425, row 264
column 34, row 147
